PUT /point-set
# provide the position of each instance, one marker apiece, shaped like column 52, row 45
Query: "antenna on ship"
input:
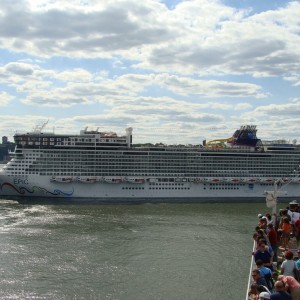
column 39, row 128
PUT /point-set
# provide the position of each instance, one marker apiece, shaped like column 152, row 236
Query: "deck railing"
column 250, row 273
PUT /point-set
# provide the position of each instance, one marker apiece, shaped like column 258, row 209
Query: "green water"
column 147, row 251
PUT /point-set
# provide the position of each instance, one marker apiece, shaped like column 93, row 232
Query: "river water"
column 146, row 251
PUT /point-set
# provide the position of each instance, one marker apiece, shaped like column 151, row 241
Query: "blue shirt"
column 265, row 271
column 298, row 264
column 264, row 256
column 281, row 296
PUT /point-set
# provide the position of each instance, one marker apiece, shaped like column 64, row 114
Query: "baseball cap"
column 259, row 216
column 264, row 295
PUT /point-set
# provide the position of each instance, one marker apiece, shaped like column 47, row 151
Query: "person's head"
column 261, row 288
column 259, row 263
column 289, row 255
column 264, row 295
column 279, row 286
column 286, row 220
column 275, row 276
column 261, row 246
column 255, row 274
column 263, row 222
column 270, row 225
column 254, row 288
column 262, row 240
column 280, row 278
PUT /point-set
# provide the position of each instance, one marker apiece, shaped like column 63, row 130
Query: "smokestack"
column 129, row 136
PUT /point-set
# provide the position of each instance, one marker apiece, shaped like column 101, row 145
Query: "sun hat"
column 264, row 295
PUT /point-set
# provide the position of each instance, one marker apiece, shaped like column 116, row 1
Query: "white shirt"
column 288, row 267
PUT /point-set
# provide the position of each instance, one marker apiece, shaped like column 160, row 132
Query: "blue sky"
column 175, row 71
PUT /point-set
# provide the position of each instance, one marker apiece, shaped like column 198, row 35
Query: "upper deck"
column 243, row 140
column 86, row 139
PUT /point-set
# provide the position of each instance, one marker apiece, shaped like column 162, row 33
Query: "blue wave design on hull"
column 23, row 190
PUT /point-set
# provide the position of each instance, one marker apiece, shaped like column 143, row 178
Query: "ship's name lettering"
column 20, row 181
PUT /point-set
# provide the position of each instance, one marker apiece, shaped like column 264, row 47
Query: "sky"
column 177, row 72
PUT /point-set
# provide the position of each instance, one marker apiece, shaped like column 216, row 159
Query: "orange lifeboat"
column 214, row 180
column 295, row 180
column 250, row 180
column 266, row 180
column 233, row 180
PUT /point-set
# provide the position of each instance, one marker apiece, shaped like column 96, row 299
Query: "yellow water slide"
column 218, row 143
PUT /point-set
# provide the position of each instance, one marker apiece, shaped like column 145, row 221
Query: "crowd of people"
column 276, row 273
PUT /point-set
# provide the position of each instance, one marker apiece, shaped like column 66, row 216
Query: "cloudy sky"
column 176, row 71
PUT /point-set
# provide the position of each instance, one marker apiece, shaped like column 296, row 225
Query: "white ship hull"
column 41, row 186
column 105, row 167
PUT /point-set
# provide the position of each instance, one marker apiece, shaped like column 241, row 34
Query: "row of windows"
column 169, row 188
column 223, row 188
column 132, row 188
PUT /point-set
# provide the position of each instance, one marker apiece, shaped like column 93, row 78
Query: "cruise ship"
column 104, row 166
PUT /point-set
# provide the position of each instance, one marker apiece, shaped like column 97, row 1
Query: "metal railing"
column 250, row 273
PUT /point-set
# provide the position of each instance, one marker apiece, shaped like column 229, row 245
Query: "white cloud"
column 195, row 37
column 243, row 106
column 5, row 98
column 281, row 110
column 79, row 86
column 74, row 75
column 199, row 69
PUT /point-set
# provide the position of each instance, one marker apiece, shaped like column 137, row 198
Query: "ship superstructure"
column 104, row 166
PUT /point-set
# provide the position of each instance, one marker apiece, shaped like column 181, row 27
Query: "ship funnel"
column 129, row 131
column 129, row 136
